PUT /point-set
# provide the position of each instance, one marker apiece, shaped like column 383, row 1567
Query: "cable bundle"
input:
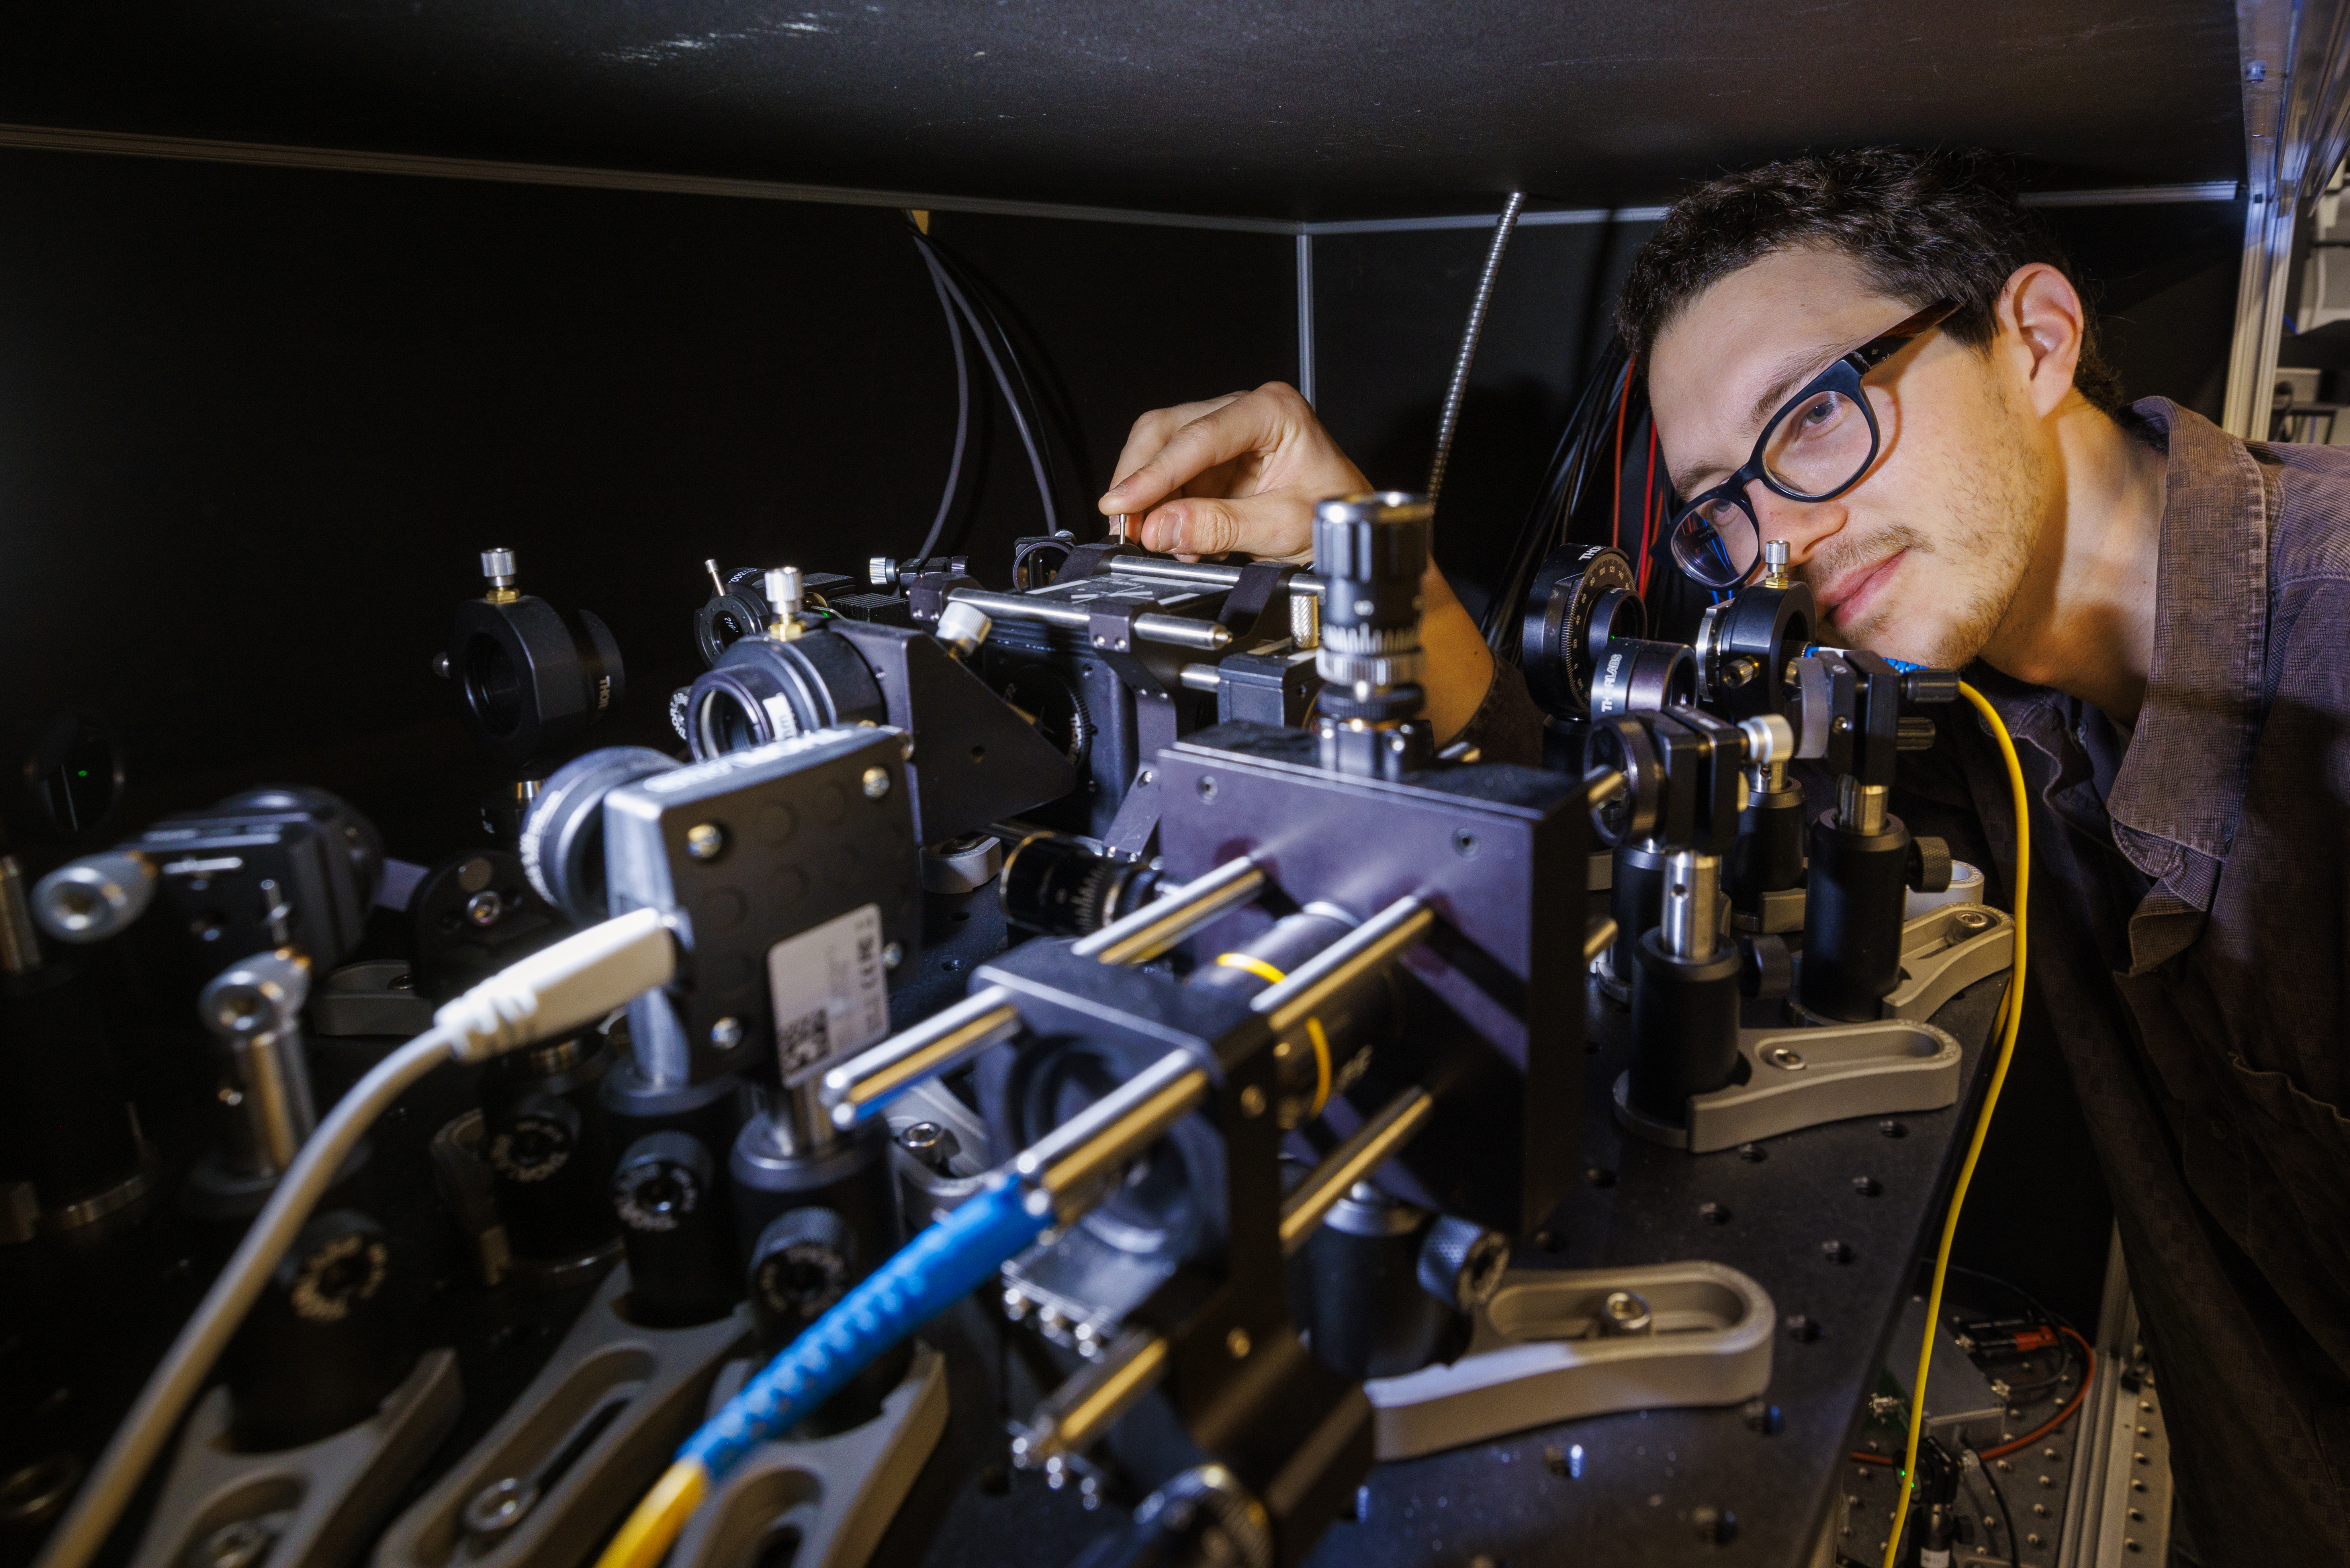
column 969, row 309
column 1582, row 451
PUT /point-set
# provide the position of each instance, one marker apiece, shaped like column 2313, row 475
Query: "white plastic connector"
column 963, row 628
column 565, row 987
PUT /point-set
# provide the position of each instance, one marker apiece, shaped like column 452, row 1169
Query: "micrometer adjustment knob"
column 1461, row 1262
column 1930, row 866
column 1929, row 686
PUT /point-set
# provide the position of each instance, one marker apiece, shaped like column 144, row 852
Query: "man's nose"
column 1806, row 525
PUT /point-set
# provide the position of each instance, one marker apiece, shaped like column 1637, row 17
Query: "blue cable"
column 1903, row 665
column 948, row 1261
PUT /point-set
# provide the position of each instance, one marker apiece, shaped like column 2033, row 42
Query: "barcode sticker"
column 830, row 990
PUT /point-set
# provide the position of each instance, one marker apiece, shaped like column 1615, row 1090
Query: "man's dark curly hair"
column 1927, row 226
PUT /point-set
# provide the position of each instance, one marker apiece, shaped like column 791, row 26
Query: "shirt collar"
column 2179, row 794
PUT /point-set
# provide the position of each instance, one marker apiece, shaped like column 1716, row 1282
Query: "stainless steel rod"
column 1198, row 574
column 1174, row 630
column 1598, row 938
column 1095, row 1397
column 1396, row 1125
column 1073, row 1158
column 858, row 1088
column 1181, row 631
column 1158, row 926
column 1319, row 978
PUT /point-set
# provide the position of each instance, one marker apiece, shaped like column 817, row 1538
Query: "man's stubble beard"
column 1982, row 550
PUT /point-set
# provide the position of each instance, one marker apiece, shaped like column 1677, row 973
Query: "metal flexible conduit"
column 1452, row 415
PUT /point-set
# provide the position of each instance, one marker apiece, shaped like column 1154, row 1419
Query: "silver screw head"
column 498, row 563
column 876, row 783
column 1625, row 1312
column 893, row 955
column 726, row 1033
column 703, row 840
column 484, row 908
column 1252, row 1102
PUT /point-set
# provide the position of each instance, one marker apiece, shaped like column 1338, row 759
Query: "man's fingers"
column 1241, row 425
column 1150, row 435
column 1277, row 524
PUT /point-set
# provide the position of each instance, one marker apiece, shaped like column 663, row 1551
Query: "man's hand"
column 1245, row 472
column 1237, row 472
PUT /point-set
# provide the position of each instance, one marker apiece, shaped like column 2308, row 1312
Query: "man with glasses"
column 1878, row 358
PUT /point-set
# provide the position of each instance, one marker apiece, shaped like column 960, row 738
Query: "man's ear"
column 2043, row 323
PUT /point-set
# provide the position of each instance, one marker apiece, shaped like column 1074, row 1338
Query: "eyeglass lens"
column 1818, row 447
column 1715, row 543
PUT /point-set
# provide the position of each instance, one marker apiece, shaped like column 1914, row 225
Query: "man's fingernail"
column 1117, row 489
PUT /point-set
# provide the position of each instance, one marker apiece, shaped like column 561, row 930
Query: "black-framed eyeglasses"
column 1816, row 447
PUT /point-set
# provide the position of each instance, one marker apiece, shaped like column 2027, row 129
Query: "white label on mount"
column 830, row 992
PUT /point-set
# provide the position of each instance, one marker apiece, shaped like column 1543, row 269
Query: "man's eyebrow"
column 1794, row 369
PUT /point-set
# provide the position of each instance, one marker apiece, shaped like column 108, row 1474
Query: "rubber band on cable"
column 2010, row 1020
column 1252, row 964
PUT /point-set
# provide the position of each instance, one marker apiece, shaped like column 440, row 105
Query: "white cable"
column 572, row 984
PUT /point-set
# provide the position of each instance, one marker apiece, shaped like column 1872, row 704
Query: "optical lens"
column 1819, row 446
column 1715, row 542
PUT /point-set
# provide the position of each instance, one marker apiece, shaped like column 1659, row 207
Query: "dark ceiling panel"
column 1325, row 110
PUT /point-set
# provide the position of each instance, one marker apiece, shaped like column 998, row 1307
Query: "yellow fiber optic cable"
column 2010, row 1019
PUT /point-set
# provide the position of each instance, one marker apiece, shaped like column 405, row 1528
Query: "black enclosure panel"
column 1324, row 109
column 1388, row 313
column 255, row 425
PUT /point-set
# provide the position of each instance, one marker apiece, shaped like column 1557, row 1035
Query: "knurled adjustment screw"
column 1930, row 866
column 1461, row 1262
column 800, row 1265
column 1913, row 732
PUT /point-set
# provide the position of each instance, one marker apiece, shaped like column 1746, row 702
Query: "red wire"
column 1648, row 494
column 1648, row 534
column 1648, row 503
column 2088, row 1372
column 1623, row 402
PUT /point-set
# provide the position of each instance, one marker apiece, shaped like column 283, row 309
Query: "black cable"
column 987, row 348
column 1549, row 522
column 962, row 413
column 1032, row 387
column 2006, row 1520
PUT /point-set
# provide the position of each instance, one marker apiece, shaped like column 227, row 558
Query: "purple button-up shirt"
column 2191, row 941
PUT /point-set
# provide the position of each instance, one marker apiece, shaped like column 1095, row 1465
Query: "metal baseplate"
column 311, row 1506
column 1557, row 1345
column 583, row 1442
column 1945, row 951
column 827, row 1500
column 1798, row 1077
